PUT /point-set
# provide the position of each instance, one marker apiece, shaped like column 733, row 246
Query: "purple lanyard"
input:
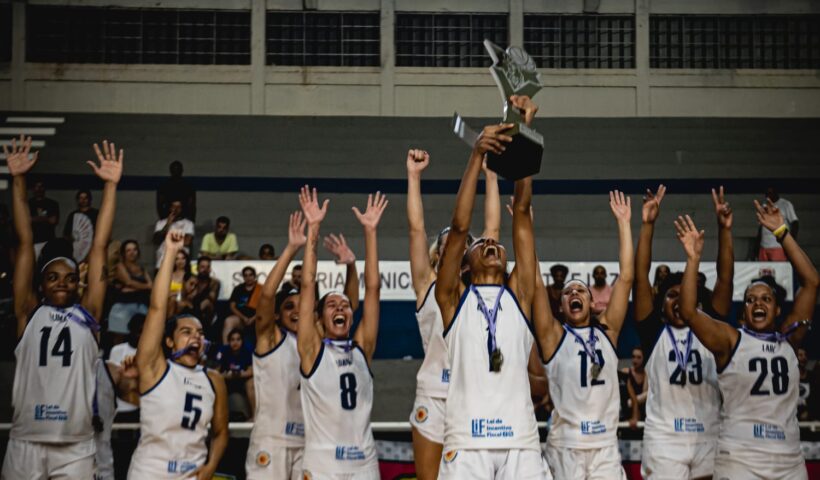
column 490, row 315
column 680, row 357
column 589, row 345
column 179, row 353
column 776, row 336
column 346, row 345
column 84, row 318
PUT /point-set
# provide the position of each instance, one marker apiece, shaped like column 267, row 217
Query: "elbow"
column 812, row 280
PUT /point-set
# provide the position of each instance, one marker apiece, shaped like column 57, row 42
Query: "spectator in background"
column 242, row 304
column 182, row 270
column 267, row 252
column 636, row 387
column 207, row 290
column 183, row 303
column 769, row 249
column 559, row 273
column 661, row 272
column 128, row 412
column 174, row 189
column 45, row 214
column 805, row 390
column 236, row 366
column 84, row 207
column 220, row 244
column 600, row 289
column 175, row 220
column 133, row 289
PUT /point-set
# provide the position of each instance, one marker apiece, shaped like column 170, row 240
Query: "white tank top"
column 54, row 378
column 106, row 408
column 682, row 404
column 586, row 408
column 759, row 387
column 278, row 420
column 433, row 378
column 489, row 410
column 337, row 397
column 174, row 418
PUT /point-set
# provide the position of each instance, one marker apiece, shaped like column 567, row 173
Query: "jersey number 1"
column 62, row 347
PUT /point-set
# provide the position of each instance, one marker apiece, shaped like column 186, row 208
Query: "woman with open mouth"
column 757, row 367
column 179, row 398
column 337, row 385
column 52, row 432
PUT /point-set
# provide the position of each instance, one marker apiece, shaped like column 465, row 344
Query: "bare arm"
column 724, row 286
column 492, row 204
column 642, row 296
column 613, row 316
column 308, row 340
column 219, row 428
column 420, row 269
column 337, row 245
column 368, row 329
column 522, row 278
column 636, row 414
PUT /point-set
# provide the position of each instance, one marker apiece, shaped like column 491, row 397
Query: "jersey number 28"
column 780, row 375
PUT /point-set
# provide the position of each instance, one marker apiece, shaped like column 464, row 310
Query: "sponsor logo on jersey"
column 349, row 453
column 175, row 466
column 689, row 425
column 44, row 412
column 295, row 429
column 450, row 456
column 445, row 375
column 421, row 414
column 592, row 427
column 191, row 382
column 490, row 428
column 768, row 432
column 344, row 362
column 263, row 458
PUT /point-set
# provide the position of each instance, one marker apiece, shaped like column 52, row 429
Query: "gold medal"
column 596, row 370
column 496, row 360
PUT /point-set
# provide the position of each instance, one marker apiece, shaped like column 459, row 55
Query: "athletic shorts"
column 43, row 461
column 589, row 464
column 369, row 474
column 273, row 462
column 676, row 460
column 516, row 464
column 427, row 417
column 738, row 462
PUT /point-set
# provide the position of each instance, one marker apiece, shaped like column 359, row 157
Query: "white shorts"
column 753, row 465
column 42, row 461
column 427, row 417
column 369, row 474
column 104, row 459
column 586, row 464
column 677, row 460
column 273, row 462
column 493, row 465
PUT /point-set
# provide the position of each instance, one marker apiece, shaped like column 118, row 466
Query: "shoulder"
column 217, row 381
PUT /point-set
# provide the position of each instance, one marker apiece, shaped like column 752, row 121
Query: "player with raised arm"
column 683, row 404
column 179, row 398
column 337, row 385
column 52, row 433
column 757, row 365
column 582, row 368
column 433, row 378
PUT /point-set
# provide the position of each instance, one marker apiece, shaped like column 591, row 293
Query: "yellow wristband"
column 780, row 232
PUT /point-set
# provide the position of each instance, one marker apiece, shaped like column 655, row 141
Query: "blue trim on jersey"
column 167, row 369
column 609, row 340
column 526, row 320
column 356, row 346
column 429, row 289
column 28, row 322
column 315, row 363
column 731, row 355
column 284, row 337
column 111, row 379
column 560, row 342
column 458, row 309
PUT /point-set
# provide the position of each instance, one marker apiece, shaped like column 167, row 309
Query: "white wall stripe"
column 34, row 143
column 15, row 131
column 35, row 120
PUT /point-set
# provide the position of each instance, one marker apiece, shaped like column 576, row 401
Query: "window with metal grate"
column 580, row 41
column 447, row 40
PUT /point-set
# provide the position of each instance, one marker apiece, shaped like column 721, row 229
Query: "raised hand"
column 489, row 175
column 652, row 204
column 492, row 139
column 110, row 168
column 417, row 161
column 375, row 207
column 337, row 245
column 129, row 367
column 722, row 209
column 621, row 206
column 769, row 215
column 690, row 237
column 309, row 201
column 526, row 105
column 174, row 242
column 296, row 230
column 17, row 157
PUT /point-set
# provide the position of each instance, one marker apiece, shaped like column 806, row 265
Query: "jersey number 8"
column 347, row 383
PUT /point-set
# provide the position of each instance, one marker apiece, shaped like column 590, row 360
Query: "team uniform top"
column 174, row 418
column 485, row 409
column 683, row 404
column 278, row 419
column 107, row 409
column 433, row 379
column 54, row 377
column 337, row 397
column 759, row 387
column 586, row 408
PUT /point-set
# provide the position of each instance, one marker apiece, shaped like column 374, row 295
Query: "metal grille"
column 580, row 41
column 323, row 38
column 447, row 40
column 739, row 41
column 112, row 35
column 5, row 32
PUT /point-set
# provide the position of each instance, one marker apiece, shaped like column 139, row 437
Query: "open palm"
column 110, row 168
column 309, row 201
column 17, row 156
column 296, row 230
column 690, row 237
column 621, row 206
column 337, row 245
column 769, row 215
column 652, row 204
column 373, row 214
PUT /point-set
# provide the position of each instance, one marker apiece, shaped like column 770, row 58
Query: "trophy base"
column 522, row 158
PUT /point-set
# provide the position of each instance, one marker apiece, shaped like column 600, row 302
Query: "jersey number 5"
column 347, row 383
column 192, row 412
column 62, row 347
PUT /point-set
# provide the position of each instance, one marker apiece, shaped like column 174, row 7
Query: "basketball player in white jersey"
column 756, row 364
column 179, row 398
column 337, row 385
column 683, row 405
column 52, row 433
column 114, row 381
column 278, row 437
column 581, row 363
column 490, row 428
column 433, row 378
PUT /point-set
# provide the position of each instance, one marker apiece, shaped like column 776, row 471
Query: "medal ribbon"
column 176, row 355
column 681, row 358
column 84, row 318
column 346, row 345
column 589, row 346
column 776, row 336
column 490, row 315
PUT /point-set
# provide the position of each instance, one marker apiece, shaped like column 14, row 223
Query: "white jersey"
column 278, row 420
column 683, row 405
column 759, row 387
column 433, row 378
column 106, row 409
column 337, row 397
column 485, row 409
column 54, row 377
column 174, row 418
column 586, row 408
